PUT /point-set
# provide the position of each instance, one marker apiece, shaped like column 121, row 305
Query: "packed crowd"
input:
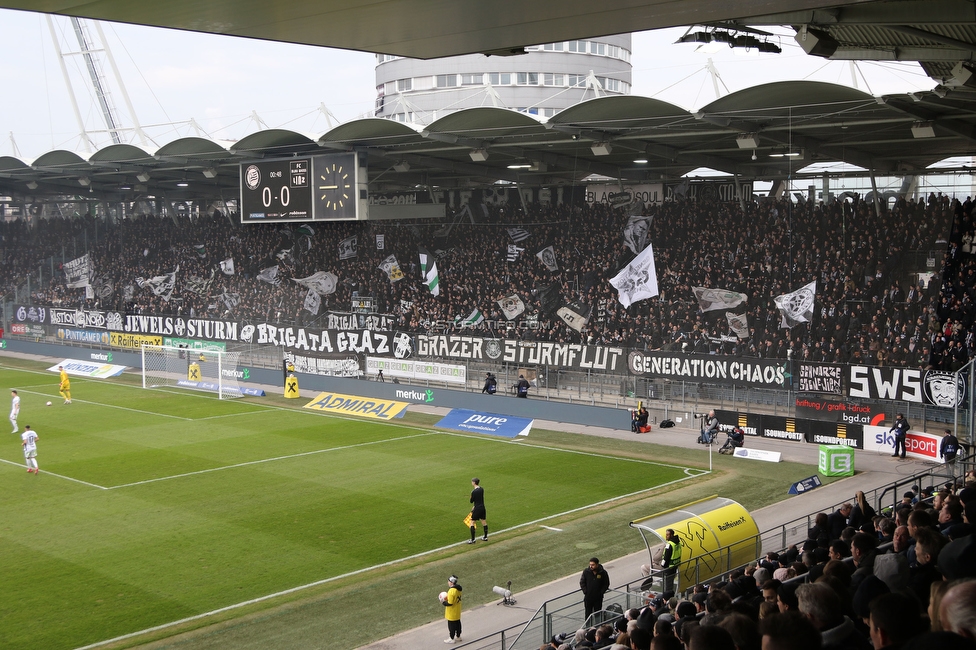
column 904, row 578
column 870, row 307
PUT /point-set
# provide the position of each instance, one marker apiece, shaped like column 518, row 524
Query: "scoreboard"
column 329, row 187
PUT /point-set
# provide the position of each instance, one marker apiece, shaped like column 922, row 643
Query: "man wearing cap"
column 452, row 610
column 900, row 429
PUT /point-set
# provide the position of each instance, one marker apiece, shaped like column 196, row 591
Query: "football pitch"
column 154, row 506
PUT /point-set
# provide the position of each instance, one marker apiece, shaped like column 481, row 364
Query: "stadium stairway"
column 873, row 470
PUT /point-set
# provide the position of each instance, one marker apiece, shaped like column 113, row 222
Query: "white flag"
column 227, row 266
column 513, row 252
column 518, row 234
column 635, row 233
column 380, row 242
column 347, row 248
column 231, row 300
column 797, row 307
column 637, row 280
column 321, row 282
column 391, row 268
column 713, row 299
column 548, row 257
column 270, row 275
column 739, row 324
column 161, row 285
column 512, row 306
column 312, row 302
column 78, row 272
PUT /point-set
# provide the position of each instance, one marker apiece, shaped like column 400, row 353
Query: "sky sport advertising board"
column 918, row 444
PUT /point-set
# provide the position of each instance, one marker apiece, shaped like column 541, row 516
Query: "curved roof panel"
column 625, row 110
column 191, row 147
column 59, row 158
column 487, row 122
column 373, row 130
column 273, row 141
column 120, row 153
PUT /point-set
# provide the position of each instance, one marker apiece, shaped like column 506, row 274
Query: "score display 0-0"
column 314, row 188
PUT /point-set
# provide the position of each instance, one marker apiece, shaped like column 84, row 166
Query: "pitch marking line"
column 113, row 406
column 264, row 460
column 67, row 478
column 383, row 565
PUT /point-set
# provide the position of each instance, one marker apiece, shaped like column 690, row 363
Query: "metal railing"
column 564, row 614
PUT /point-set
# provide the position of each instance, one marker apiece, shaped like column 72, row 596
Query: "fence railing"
column 564, row 614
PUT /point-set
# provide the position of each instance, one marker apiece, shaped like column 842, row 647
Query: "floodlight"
column 478, row 155
column 210, row 172
column 402, row 166
column 923, row 130
column 748, row 141
column 601, row 148
column 143, row 177
column 32, row 185
column 84, row 181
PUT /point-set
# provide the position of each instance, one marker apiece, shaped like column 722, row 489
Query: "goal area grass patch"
column 156, row 505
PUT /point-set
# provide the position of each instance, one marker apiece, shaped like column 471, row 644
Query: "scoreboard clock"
column 334, row 186
column 313, row 188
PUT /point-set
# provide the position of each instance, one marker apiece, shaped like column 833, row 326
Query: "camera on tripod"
column 701, row 416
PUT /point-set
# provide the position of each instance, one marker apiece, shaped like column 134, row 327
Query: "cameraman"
column 709, row 429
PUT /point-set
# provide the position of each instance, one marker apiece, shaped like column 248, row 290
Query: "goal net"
column 214, row 371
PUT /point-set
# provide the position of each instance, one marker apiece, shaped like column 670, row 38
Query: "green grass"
column 154, row 506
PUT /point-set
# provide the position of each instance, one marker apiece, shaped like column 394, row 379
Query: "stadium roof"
column 766, row 132
column 422, row 29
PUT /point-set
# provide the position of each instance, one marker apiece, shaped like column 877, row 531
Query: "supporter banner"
column 416, row 370
column 708, row 190
column 86, row 318
column 329, row 366
column 533, row 353
column 337, row 320
column 918, row 444
column 366, row 407
column 820, row 378
column 840, row 411
column 84, row 369
column 30, row 314
column 613, row 195
column 24, row 329
column 133, row 341
column 83, row 336
column 757, row 373
column 506, row 426
column 933, row 387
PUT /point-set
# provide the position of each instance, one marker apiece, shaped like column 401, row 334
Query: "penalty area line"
column 61, row 476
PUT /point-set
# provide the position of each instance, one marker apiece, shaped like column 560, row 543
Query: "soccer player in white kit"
column 14, row 410
column 29, row 438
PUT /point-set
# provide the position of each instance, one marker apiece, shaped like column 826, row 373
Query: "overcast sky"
column 220, row 82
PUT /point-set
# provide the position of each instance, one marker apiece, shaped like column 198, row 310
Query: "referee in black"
column 478, row 509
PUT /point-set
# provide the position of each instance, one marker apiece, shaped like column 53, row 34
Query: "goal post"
column 213, row 371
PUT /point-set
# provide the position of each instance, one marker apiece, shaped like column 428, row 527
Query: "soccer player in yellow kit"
column 65, row 386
